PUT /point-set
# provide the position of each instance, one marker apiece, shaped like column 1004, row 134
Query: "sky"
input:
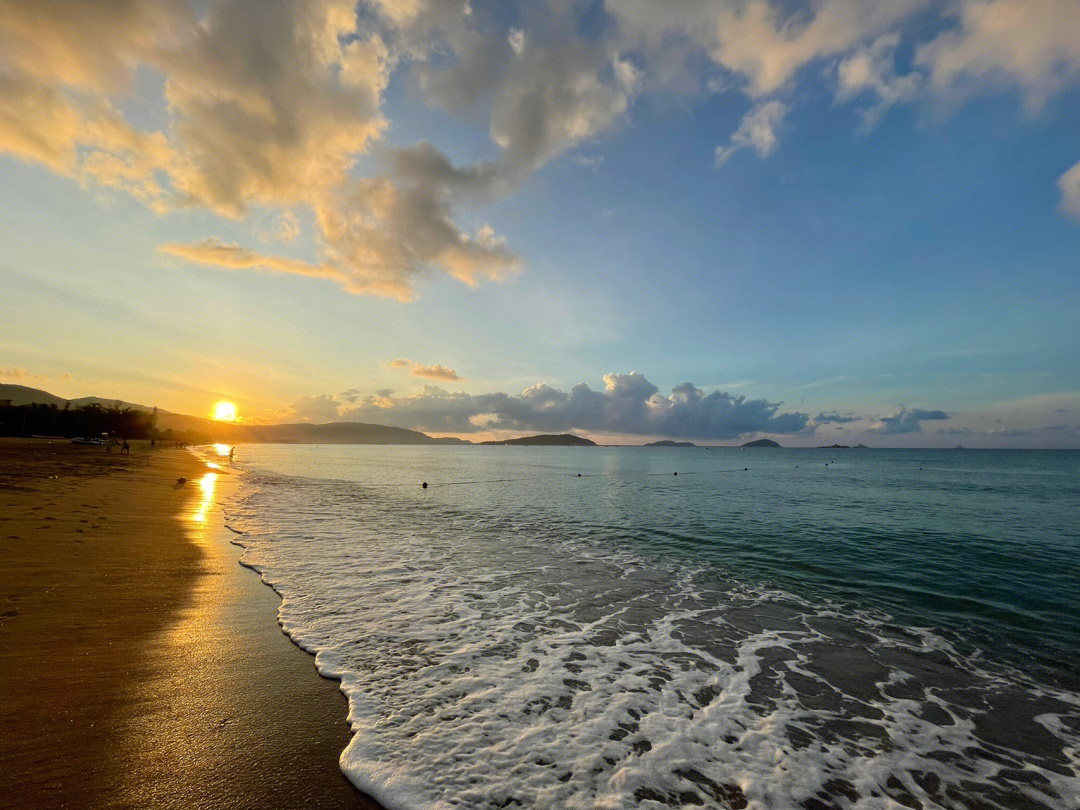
column 822, row 221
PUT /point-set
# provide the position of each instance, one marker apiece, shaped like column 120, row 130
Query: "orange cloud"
column 435, row 372
column 221, row 254
column 243, row 130
column 19, row 374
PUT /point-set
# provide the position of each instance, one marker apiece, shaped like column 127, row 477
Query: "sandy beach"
column 140, row 664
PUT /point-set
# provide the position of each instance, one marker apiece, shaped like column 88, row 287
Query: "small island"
column 762, row 443
column 669, row 443
column 547, row 440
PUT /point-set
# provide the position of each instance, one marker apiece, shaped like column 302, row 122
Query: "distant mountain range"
column 669, row 443
column 299, row 433
column 762, row 443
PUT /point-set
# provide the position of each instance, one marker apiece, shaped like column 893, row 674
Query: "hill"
column 669, row 443
column 25, row 395
column 334, row 433
column 762, row 443
column 548, row 440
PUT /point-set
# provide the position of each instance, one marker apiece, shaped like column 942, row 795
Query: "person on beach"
column 125, row 448
column 231, row 451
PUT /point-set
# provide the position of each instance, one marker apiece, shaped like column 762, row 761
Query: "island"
column 669, row 443
column 547, row 440
column 762, row 443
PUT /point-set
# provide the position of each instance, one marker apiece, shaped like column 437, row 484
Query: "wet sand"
column 140, row 664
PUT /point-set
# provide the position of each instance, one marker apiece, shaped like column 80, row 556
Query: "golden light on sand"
column 224, row 411
column 206, row 484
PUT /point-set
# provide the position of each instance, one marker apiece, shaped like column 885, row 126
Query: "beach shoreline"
column 141, row 664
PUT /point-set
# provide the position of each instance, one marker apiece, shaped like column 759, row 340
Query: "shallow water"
column 859, row 628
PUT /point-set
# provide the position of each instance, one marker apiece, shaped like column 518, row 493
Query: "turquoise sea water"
column 581, row 627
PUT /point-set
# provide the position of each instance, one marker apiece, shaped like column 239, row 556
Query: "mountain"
column 25, row 395
column 762, row 443
column 334, row 433
column 669, row 443
column 548, row 440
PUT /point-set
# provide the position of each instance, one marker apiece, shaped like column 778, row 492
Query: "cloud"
column 834, row 417
column 544, row 86
column 871, row 70
column 905, row 421
column 287, row 227
column 1069, row 184
column 323, row 408
column 435, row 372
column 221, row 254
column 1030, row 44
column 270, row 115
column 760, row 43
column 628, row 404
column 757, row 130
column 383, row 233
column 19, row 374
column 285, row 114
column 350, row 396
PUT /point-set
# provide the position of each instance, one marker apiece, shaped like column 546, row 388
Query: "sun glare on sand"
column 225, row 411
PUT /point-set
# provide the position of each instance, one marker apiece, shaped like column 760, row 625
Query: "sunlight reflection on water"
column 206, row 484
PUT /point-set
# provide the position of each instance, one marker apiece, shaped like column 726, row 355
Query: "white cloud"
column 1032, row 44
column 1069, row 184
column 757, row 40
column 757, row 131
column 870, row 69
column 517, row 41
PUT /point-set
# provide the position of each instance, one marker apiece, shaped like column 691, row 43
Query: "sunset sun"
column 225, row 411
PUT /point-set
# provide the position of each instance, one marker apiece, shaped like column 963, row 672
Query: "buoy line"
column 433, row 484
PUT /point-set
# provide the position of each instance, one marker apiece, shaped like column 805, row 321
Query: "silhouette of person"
column 125, row 448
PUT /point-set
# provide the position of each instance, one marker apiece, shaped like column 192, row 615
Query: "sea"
column 632, row 627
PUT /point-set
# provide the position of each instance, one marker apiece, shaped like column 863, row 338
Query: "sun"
column 224, row 411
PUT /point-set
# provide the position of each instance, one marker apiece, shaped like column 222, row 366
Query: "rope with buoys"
column 426, row 485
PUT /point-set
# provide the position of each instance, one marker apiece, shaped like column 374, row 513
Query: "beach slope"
column 140, row 664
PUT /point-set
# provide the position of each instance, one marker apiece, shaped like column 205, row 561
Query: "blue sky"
column 806, row 210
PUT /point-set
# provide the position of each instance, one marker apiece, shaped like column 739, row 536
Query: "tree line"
column 81, row 420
